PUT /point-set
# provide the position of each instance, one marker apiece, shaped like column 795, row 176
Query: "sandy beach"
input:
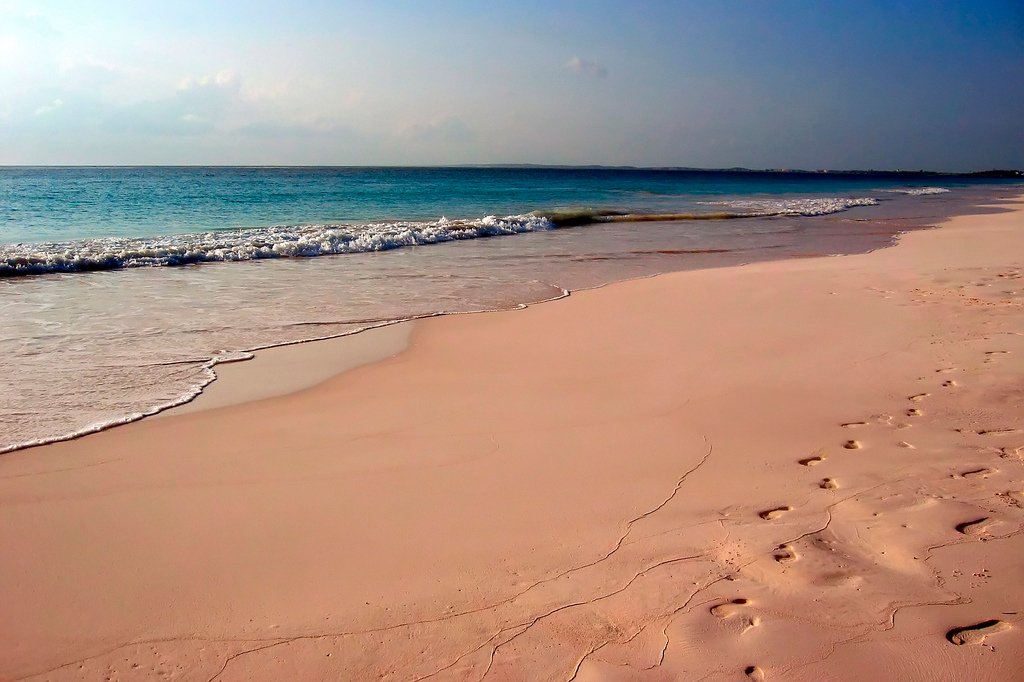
column 809, row 469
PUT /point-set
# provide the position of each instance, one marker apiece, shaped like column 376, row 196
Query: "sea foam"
column 307, row 241
column 809, row 206
column 283, row 241
column 916, row 191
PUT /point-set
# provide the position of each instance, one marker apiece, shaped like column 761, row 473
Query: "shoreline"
column 181, row 397
column 243, row 381
column 249, row 371
column 532, row 512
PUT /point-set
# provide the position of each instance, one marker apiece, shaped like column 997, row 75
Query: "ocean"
column 121, row 289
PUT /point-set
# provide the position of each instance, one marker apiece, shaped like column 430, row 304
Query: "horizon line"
column 1004, row 172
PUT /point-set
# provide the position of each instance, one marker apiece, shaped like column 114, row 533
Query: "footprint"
column 972, row 473
column 919, row 397
column 852, row 445
column 828, row 484
column 1008, row 453
column 904, row 444
column 1013, row 497
column 976, row 634
column 975, row 527
column 914, row 412
column 945, row 370
column 729, row 608
column 853, row 425
column 772, row 514
column 751, row 623
column 948, row 384
column 785, row 555
column 812, row 461
column 754, row 673
column 996, row 352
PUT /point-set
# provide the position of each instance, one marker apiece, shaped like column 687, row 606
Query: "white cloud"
column 47, row 108
column 222, row 79
column 72, row 65
column 585, row 67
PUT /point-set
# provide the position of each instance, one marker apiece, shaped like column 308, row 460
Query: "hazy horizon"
column 843, row 86
column 580, row 166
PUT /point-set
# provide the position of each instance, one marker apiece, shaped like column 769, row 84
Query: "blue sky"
column 810, row 84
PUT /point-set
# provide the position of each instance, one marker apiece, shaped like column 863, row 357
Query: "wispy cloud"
column 222, row 79
column 47, row 108
column 585, row 67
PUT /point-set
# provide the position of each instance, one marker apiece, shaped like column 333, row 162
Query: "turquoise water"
column 81, row 350
column 61, row 204
column 85, row 219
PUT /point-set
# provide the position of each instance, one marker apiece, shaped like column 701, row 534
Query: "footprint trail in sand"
column 976, row 634
column 772, row 514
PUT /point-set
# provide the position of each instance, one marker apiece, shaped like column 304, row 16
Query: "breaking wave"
column 917, row 191
column 738, row 208
column 302, row 241
column 794, row 207
column 306, row 241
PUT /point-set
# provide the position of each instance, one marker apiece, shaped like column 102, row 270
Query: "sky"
column 931, row 84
